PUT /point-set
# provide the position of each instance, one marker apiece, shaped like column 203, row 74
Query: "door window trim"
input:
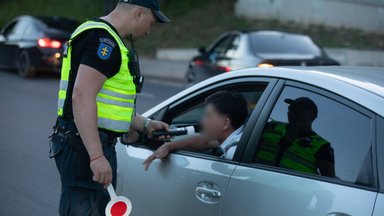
column 271, row 82
column 266, row 112
column 379, row 151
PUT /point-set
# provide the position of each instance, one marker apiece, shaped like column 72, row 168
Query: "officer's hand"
column 102, row 171
column 160, row 153
column 156, row 126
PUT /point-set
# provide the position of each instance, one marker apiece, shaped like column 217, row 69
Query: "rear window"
column 276, row 43
column 62, row 24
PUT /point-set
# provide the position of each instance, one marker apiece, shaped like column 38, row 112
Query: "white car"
column 350, row 102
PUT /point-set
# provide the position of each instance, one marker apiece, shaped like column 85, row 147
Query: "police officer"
column 295, row 145
column 99, row 82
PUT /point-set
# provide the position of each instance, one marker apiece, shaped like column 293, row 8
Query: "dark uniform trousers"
column 80, row 195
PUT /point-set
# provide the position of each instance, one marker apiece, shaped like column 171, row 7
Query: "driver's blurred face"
column 212, row 123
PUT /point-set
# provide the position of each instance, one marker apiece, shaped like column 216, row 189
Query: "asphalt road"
column 29, row 182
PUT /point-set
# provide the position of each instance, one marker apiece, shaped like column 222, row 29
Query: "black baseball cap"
column 150, row 4
column 303, row 103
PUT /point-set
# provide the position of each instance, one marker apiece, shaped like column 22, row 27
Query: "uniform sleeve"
column 102, row 53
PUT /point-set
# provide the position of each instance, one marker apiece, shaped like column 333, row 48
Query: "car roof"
column 363, row 85
column 367, row 78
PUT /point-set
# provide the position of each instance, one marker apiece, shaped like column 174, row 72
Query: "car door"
column 186, row 183
column 257, row 188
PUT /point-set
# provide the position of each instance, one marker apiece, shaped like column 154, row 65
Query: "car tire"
column 24, row 66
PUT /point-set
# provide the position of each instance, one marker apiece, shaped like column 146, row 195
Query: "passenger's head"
column 301, row 111
column 224, row 113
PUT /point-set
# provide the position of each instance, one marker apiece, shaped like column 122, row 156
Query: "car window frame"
column 231, row 45
column 268, row 109
column 380, row 151
column 271, row 82
column 12, row 24
column 20, row 26
column 228, row 37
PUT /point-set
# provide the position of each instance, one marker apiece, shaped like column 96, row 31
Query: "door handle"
column 337, row 214
column 208, row 192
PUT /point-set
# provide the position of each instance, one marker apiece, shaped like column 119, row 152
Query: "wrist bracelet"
column 98, row 157
column 146, row 125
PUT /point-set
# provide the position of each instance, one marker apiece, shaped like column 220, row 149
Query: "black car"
column 33, row 44
column 237, row 50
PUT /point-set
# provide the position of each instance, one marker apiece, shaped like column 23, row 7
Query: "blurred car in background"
column 33, row 44
column 238, row 50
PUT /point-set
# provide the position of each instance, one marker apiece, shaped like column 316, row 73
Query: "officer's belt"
column 68, row 130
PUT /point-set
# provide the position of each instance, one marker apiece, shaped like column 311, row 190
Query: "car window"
column 9, row 29
column 234, row 45
column 20, row 28
column 191, row 112
column 191, row 115
column 310, row 133
column 221, row 47
column 276, row 43
column 380, row 151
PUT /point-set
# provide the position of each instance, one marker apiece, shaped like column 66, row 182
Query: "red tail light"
column 198, row 62
column 224, row 69
column 49, row 43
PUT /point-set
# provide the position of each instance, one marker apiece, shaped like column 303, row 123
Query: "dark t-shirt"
column 95, row 48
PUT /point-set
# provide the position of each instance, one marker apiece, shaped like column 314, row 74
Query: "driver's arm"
column 195, row 143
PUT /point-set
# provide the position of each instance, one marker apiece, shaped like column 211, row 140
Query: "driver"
column 222, row 126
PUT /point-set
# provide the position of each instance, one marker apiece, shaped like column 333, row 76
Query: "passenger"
column 222, row 126
column 295, row 145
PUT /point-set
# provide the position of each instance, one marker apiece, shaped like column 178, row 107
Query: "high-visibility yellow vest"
column 299, row 156
column 116, row 99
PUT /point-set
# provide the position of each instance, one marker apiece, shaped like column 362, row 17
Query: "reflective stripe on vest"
column 296, row 157
column 116, row 99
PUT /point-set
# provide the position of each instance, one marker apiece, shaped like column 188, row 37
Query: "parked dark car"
column 33, row 44
column 238, row 50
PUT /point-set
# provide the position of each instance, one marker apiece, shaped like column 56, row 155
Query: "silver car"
column 350, row 102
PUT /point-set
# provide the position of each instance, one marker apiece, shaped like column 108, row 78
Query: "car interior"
column 189, row 112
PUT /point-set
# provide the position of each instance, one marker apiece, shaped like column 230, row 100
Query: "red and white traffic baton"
column 119, row 205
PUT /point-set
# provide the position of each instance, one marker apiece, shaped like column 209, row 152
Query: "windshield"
column 277, row 43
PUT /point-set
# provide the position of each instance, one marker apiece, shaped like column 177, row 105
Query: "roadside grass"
column 198, row 23
column 77, row 9
column 194, row 23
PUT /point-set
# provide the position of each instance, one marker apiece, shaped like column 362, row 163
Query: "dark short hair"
column 233, row 105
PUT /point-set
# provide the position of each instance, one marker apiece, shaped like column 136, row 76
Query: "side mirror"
column 202, row 50
column 2, row 38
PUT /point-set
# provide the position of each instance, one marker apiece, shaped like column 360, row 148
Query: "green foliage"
column 77, row 9
column 194, row 23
